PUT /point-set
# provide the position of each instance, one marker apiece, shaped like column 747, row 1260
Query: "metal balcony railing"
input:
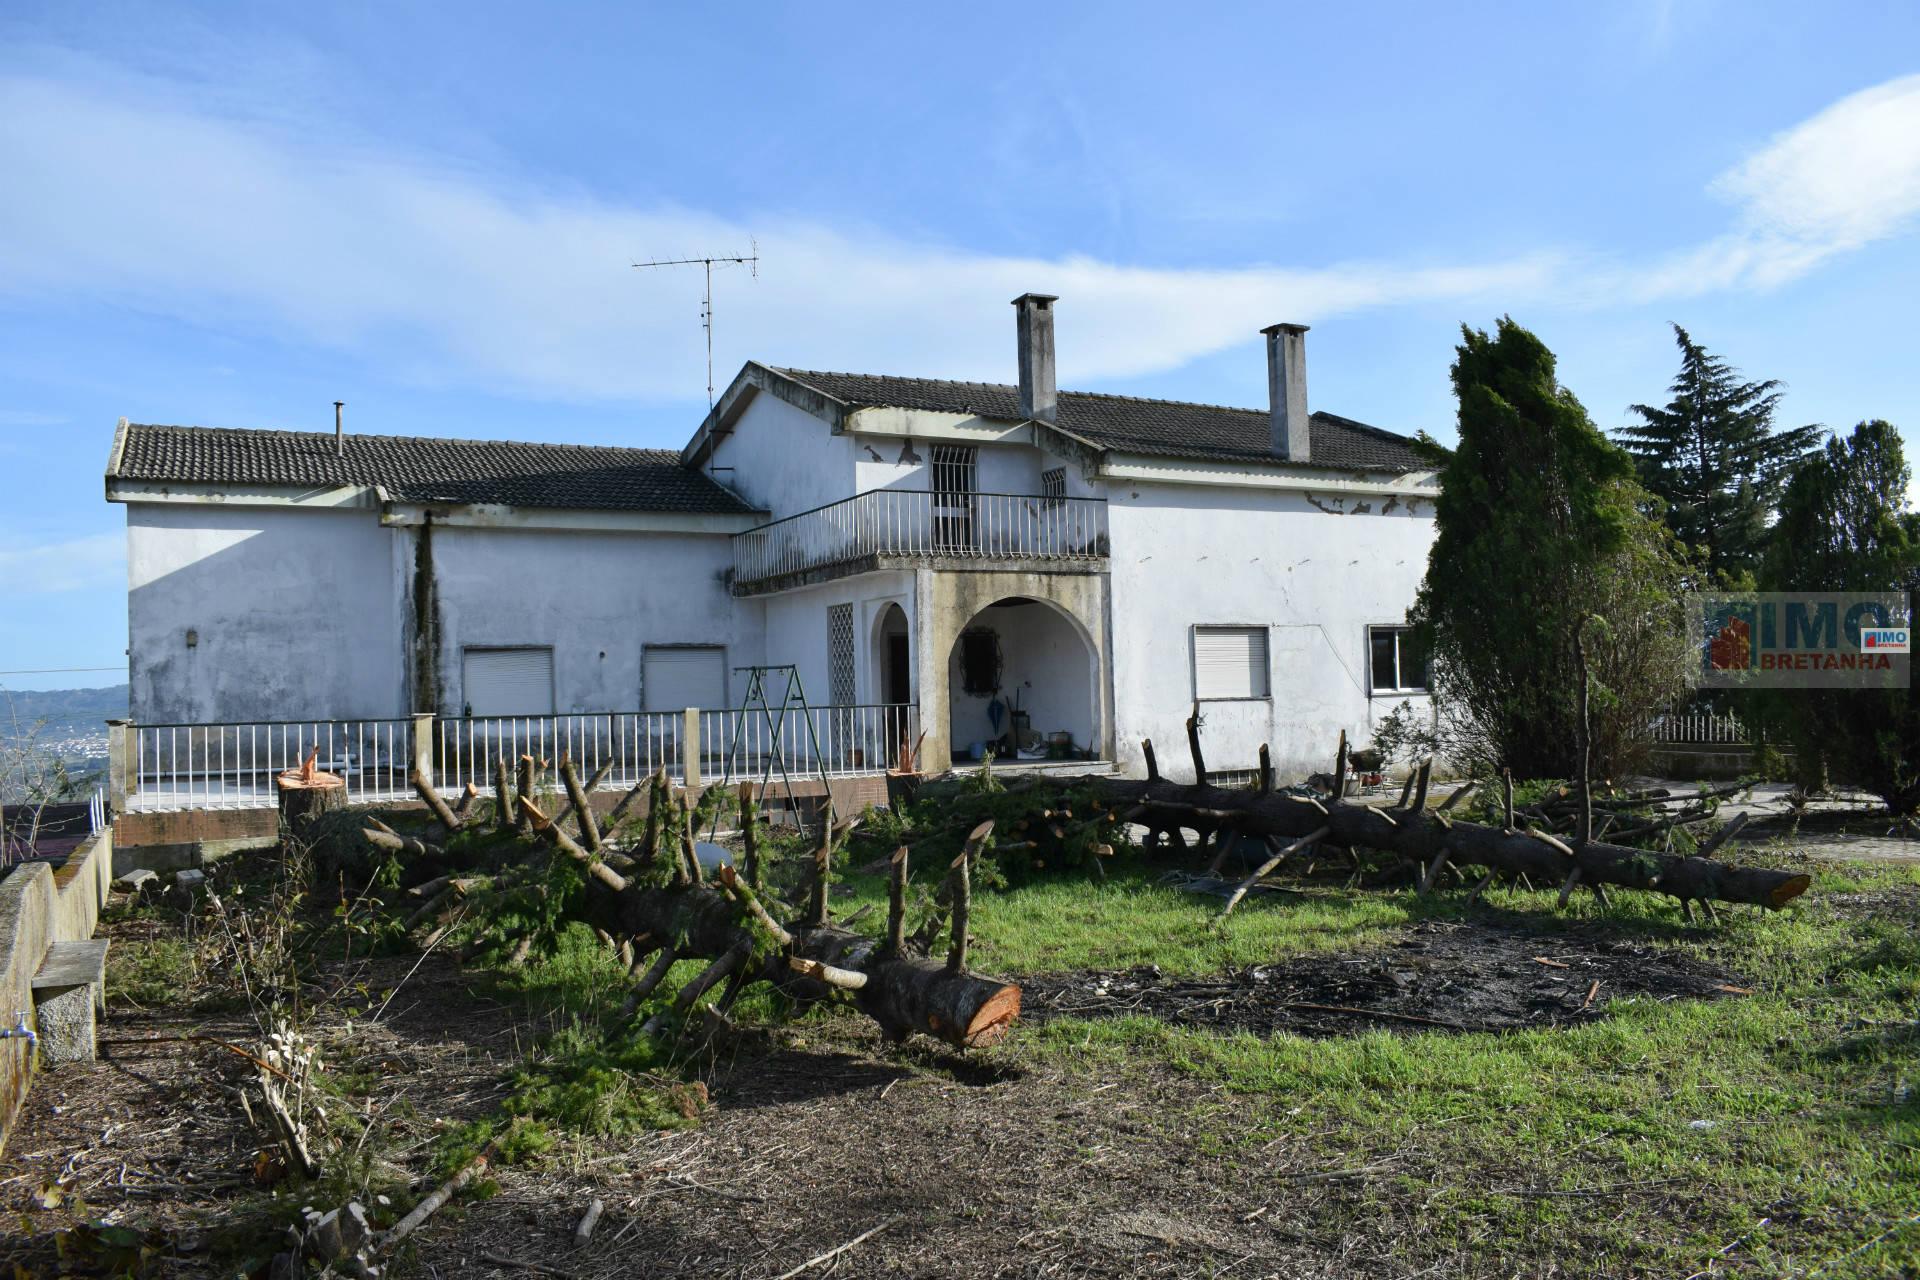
column 923, row 524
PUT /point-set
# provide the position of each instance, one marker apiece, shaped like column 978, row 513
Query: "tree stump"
column 306, row 793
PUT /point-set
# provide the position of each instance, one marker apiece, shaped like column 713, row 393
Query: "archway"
column 892, row 664
column 1023, row 679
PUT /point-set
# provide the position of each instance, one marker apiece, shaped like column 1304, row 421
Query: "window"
column 1396, row 661
column 955, row 481
column 980, row 662
column 674, row 677
column 507, row 681
column 840, row 655
column 1229, row 662
column 1053, row 487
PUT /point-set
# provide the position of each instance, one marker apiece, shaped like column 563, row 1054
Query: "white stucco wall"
column 785, row 460
column 293, row 610
column 1186, row 555
column 796, row 629
column 596, row 598
column 308, row 613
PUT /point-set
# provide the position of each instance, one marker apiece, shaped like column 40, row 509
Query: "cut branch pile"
column 1429, row 840
column 655, row 905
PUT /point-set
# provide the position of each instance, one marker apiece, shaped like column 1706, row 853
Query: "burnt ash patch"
column 1439, row 977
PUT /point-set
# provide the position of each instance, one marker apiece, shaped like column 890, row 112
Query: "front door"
column 899, row 678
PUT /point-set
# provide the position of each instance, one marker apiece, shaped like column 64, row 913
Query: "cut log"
column 308, row 792
column 441, row 809
column 504, row 815
column 750, row 835
column 578, row 804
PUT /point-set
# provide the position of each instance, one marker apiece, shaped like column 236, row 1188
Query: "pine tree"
column 1539, row 528
column 1715, row 458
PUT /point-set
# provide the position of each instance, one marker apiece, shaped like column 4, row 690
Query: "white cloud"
column 1846, row 177
column 79, row 564
column 447, row 275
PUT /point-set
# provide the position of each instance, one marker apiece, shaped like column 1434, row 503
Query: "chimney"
column 1287, row 391
column 1037, row 395
column 339, row 429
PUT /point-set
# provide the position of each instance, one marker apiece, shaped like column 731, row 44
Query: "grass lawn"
column 1774, row 1134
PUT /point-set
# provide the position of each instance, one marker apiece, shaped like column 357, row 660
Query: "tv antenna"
column 749, row 259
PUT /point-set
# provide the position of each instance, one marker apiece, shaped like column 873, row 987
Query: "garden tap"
column 19, row 1030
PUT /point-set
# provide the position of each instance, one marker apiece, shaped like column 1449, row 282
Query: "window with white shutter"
column 675, row 677
column 507, row 681
column 1229, row 662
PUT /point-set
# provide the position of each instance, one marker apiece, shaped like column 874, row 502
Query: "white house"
column 1041, row 570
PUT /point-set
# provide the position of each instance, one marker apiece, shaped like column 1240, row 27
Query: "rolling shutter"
column 508, row 682
column 1229, row 662
column 672, row 679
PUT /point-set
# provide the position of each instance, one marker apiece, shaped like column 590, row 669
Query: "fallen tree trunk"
column 725, row 923
column 1430, row 839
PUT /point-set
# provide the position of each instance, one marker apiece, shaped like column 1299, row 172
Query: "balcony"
column 909, row 528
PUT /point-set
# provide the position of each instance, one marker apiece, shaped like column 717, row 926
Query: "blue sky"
column 234, row 215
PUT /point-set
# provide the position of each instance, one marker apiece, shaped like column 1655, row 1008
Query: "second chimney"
column 1038, row 398
column 339, row 428
column 1287, row 391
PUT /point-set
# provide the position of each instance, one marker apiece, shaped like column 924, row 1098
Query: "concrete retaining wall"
column 40, row 906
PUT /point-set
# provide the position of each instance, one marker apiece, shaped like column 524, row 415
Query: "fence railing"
column 918, row 522
column 845, row 741
column 1695, row 726
column 232, row 766
column 635, row 743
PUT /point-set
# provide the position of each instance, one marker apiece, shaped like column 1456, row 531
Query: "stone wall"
column 40, row 906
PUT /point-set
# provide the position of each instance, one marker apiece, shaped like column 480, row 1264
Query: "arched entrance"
column 892, row 664
column 1024, row 681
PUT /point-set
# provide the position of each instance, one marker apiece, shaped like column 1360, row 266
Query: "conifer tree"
column 1540, row 530
column 1844, row 527
column 1713, row 455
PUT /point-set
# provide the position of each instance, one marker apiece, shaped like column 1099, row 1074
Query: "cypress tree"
column 1713, row 455
column 1539, row 527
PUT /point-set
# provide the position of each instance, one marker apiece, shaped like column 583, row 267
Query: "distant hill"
column 66, row 711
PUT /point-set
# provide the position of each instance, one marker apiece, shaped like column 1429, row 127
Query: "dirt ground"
column 1447, row 976
column 817, row 1133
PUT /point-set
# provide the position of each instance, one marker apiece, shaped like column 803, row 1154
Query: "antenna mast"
column 749, row 259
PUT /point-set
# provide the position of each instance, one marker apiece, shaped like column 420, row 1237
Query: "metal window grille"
column 840, row 654
column 1053, row 486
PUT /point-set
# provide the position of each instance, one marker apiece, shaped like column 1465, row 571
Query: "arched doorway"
column 1023, row 680
column 892, row 657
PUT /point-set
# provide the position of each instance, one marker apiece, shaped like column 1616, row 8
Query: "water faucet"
column 19, row 1030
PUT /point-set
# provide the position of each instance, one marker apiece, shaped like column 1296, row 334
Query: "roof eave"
column 753, row 379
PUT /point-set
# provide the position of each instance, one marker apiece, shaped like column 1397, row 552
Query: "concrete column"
column 690, row 749
column 119, row 763
column 423, row 743
column 932, row 643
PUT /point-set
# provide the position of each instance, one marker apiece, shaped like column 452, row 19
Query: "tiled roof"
column 429, row 469
column 1171, row 428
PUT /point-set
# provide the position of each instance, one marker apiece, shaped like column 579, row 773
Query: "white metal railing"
column 634, row 743
column 918, row 522
column 844, row 741
column 1699, row 726
column 232, row 766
